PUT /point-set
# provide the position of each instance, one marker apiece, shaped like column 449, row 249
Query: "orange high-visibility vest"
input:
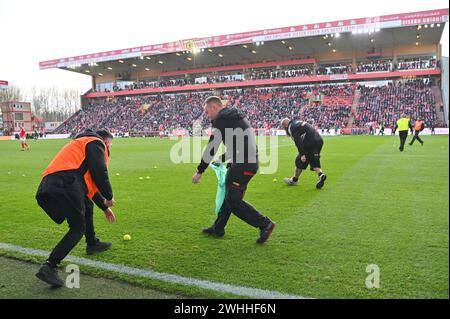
column 418, row 125
column 71, row 156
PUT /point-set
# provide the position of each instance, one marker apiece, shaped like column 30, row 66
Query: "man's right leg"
column 244, row 210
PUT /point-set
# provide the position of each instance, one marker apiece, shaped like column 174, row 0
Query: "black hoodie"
column 232, row 128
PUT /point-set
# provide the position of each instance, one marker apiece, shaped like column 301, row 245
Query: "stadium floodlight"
column 257, row 43
column 426, row 26
column 120, row 61
column 419, row 27
column 161, row 62
column 418, row 36
column 134, row 65
column 329, row 44
column 282, row 41
column 334, row 50
column 253, row 51
column 141, row 57
column 354, row 32
column 417, row 43
column 210, row 50
column 87, row 71
column 438, row 25
column 178, row 54
column 262, row 42
column 245, row 46
column 337, row 35
column 148, row 57
column 100, row 74
column 432, row 25
column 109, row 68
column 189, row 58
column 290, row 48
column 377, row 30
column 147, row 69
column 360, row 31
column 371, row 40
column 220, row 55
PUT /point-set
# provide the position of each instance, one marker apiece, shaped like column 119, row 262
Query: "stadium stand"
column 326, row 105
column 383, row 104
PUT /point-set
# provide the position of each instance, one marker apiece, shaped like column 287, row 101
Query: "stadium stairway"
column 354, row 108
column 440, row 117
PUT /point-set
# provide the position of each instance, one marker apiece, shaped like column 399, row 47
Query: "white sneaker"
column 289, row 181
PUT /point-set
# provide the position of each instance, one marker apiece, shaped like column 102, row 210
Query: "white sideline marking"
column 216, row 286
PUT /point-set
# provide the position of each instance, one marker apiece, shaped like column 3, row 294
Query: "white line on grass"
column 216, row 286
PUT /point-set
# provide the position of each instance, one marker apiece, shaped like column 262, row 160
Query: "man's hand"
column 109, row 215
column 109, row 203
column 303, row 158
column 196, row 178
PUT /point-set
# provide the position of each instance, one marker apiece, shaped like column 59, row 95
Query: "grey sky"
column 33, row 31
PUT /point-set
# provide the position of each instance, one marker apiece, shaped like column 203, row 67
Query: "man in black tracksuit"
column 232, row 128
column 309, row 144
column 62, row 195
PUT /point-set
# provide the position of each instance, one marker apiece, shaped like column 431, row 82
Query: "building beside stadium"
column 347, row 75
column 16, row 115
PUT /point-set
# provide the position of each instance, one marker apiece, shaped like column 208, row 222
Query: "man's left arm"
column 104, row 205
column 95, row 157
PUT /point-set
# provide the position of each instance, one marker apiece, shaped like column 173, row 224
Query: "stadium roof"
column 265, row 45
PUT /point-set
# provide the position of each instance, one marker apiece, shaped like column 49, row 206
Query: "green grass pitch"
column 379, row 206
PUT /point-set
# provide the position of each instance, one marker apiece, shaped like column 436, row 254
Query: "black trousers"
column 79, row 225
column 238, row 177
column 403, row 136
column 416, row 137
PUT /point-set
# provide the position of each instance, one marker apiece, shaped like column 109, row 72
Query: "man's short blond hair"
column 213, row 99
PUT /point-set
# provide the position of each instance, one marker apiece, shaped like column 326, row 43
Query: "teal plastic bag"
column 221, row 173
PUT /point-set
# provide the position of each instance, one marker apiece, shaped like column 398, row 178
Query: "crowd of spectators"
column 374, row 66
column 383, row 104
column 416, row 63
column 275, row 73
column 328, row 106
column 263, row 107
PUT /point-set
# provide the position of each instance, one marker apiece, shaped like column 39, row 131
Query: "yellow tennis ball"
column 126, row 237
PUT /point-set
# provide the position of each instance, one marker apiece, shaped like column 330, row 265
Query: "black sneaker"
column 265, row 233
column 98, row 247
column 212, row 231
column 50, row 276
column 321, row 181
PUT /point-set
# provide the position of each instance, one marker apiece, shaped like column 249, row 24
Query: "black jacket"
column 69, row 187
column 232, row 128
column 303, row 134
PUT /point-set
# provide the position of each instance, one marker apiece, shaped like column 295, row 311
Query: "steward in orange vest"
column 76, row 176
column 418, row 127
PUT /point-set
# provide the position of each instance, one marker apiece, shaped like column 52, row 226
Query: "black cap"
column 104, row 134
